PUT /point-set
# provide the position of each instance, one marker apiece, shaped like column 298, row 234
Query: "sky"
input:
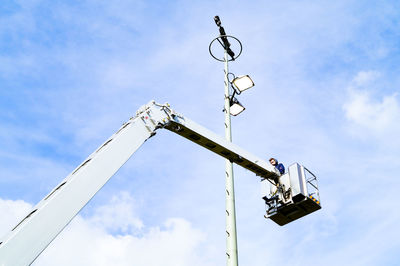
column 326, row 96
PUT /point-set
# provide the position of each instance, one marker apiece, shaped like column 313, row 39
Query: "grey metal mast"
column 231, row 235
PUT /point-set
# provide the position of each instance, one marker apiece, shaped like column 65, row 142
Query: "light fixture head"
column 243, row 83
column 235, row 107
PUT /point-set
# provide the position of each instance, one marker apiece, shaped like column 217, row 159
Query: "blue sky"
column 326, row 96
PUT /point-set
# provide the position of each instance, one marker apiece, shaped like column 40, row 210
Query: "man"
column 277, row 165
column 279, row 170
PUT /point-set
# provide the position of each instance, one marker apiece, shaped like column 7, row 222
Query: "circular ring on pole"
column 227, row 36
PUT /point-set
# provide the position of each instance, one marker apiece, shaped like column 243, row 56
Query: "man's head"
column 273, row 161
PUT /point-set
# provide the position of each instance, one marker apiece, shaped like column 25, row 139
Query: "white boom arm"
column 24, row 243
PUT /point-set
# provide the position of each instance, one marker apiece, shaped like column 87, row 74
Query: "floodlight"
column 243, row 83
column 235, row 107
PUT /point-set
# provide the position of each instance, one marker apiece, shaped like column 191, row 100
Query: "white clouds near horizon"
column 92, row 240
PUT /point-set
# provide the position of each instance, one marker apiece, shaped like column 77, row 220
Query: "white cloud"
column 90, row 241
column 85, row 244
column 12, row 211
column 365, row 77
column 118, row 215
column 368, row 112
column 378, row 115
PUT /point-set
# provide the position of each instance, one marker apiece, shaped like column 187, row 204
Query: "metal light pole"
column 231, row 236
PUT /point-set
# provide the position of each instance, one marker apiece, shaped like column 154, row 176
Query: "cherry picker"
column 288, row 198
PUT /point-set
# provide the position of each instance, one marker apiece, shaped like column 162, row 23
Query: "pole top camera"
column 217, row 21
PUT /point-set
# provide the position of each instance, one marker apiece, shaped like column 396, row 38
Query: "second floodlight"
column 235, row 107
column 243, row 83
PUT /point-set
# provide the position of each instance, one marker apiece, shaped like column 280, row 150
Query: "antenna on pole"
column 225, row 43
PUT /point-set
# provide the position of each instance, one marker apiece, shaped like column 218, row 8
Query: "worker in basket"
column 278, row 166
column 279, row 170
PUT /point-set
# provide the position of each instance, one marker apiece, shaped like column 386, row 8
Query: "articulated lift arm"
column 24, row 243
